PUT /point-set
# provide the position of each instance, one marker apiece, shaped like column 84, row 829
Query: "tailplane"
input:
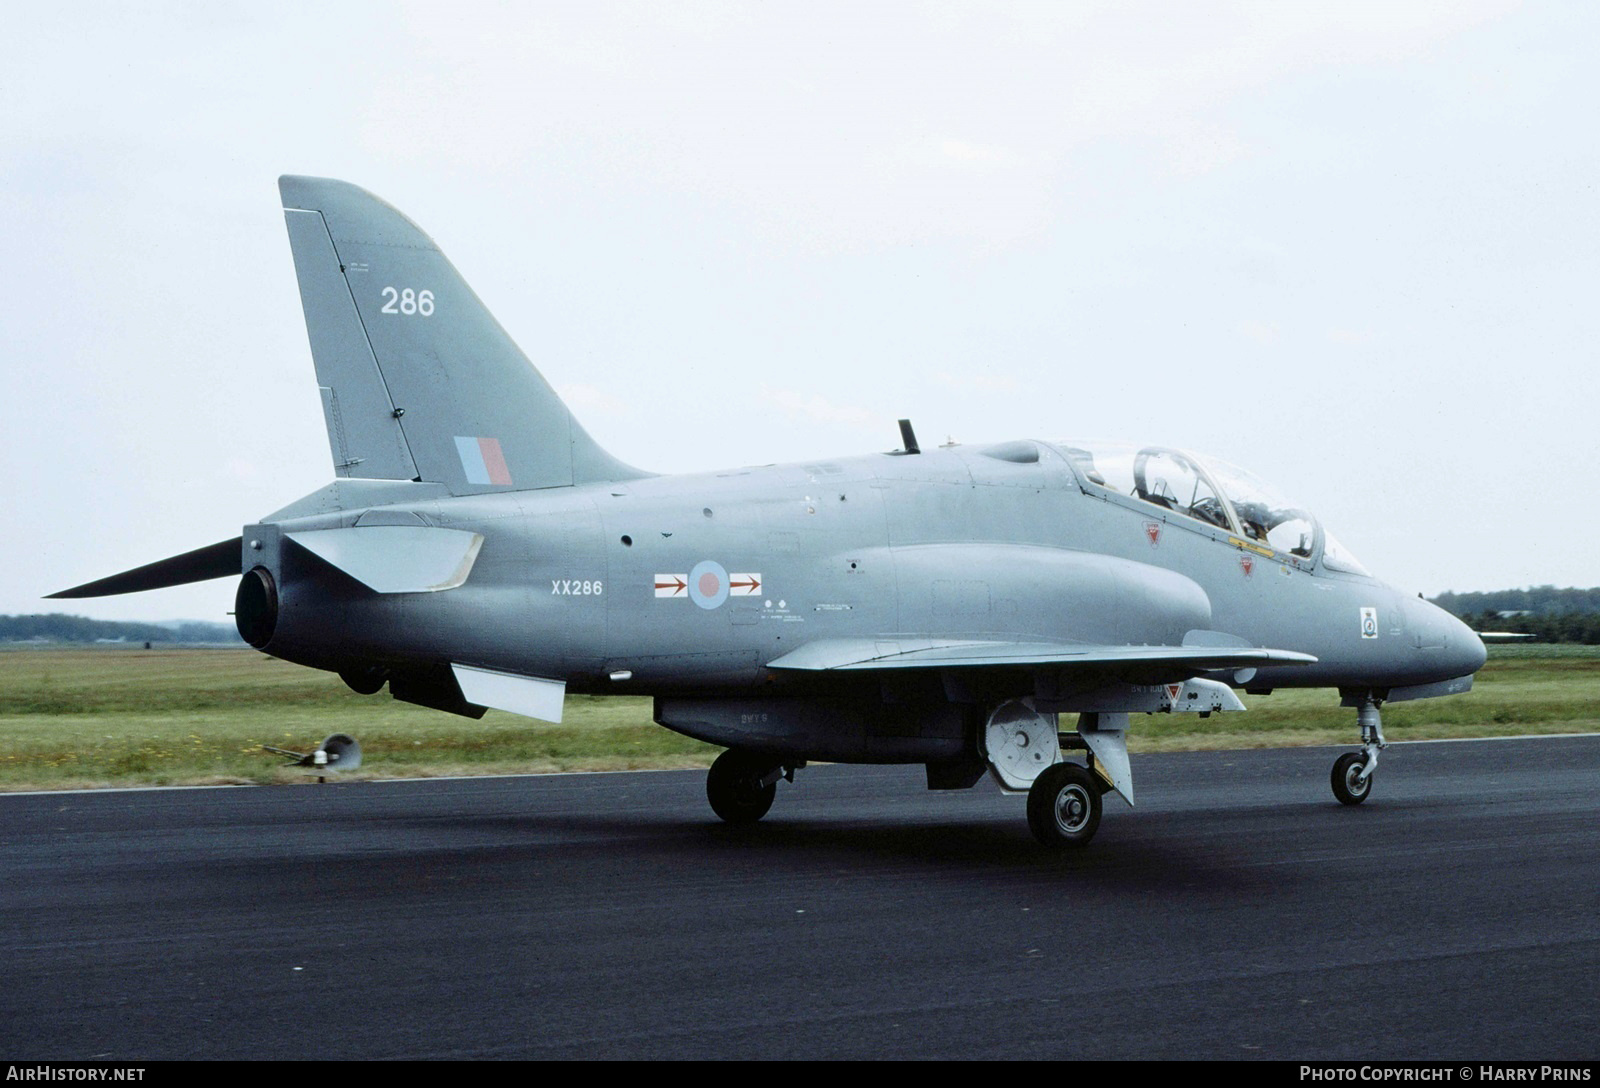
column 418, row 380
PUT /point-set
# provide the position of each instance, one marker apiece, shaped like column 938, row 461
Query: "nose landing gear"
column 1352, row 772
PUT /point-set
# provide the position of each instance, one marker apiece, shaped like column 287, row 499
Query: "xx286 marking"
column 563, row 588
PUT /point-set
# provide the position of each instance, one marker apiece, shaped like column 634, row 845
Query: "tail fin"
column 419, row 382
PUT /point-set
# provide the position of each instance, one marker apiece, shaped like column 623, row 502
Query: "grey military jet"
column 478, row 549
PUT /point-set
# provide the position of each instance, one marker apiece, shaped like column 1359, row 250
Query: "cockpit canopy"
column 1214, row 492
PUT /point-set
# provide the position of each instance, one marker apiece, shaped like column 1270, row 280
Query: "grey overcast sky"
column 1351, row 247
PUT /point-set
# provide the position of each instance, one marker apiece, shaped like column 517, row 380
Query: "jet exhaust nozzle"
column 255, row 607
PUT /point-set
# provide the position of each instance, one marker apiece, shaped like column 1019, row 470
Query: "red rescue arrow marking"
column 744, row 583
column 677, row 585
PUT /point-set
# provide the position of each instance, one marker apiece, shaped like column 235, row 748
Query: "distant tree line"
column 1540, row 600
column 1545, row 612
column 59, row 627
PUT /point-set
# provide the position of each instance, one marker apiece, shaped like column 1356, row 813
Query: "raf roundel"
column 708, row 584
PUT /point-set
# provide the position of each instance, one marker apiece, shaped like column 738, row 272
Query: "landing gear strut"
column 742, row 784
column 1352, row 772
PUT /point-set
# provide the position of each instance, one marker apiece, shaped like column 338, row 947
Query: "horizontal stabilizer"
column 853, row 654
column 529, row 696
column 218, row 560
column 396, row 558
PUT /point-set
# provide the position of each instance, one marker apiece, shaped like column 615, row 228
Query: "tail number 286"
column 407, row 301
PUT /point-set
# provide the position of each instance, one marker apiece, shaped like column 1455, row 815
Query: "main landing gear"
column 1064, row 805
column 1023, row 748
column 742, row 784
column 1352, row 772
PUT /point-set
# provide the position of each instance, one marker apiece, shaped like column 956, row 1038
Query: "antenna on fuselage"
column 908, row 437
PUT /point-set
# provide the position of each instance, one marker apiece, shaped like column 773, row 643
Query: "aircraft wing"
column 1154, row 661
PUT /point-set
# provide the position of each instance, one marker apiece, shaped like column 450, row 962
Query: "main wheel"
column 1348, row 785
column 1064, row 806
column 734, row 787
column 367, row 680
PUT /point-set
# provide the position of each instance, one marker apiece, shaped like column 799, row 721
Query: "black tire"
column 1064, row 806
column 734, row 787
column 367, row 680
column 1348, row 786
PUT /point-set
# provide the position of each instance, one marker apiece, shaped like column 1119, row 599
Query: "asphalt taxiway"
column 1238, row 912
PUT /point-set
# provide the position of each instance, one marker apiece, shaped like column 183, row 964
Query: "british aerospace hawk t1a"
column 478, row 549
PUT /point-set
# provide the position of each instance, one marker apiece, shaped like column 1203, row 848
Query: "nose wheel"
column 1352, row 772
column 1348, row 784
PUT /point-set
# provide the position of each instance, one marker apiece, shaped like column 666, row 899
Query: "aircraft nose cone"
column 1453, row 648
column 1466, row 647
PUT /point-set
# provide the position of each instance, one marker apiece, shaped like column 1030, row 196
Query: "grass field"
column 113, row 716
